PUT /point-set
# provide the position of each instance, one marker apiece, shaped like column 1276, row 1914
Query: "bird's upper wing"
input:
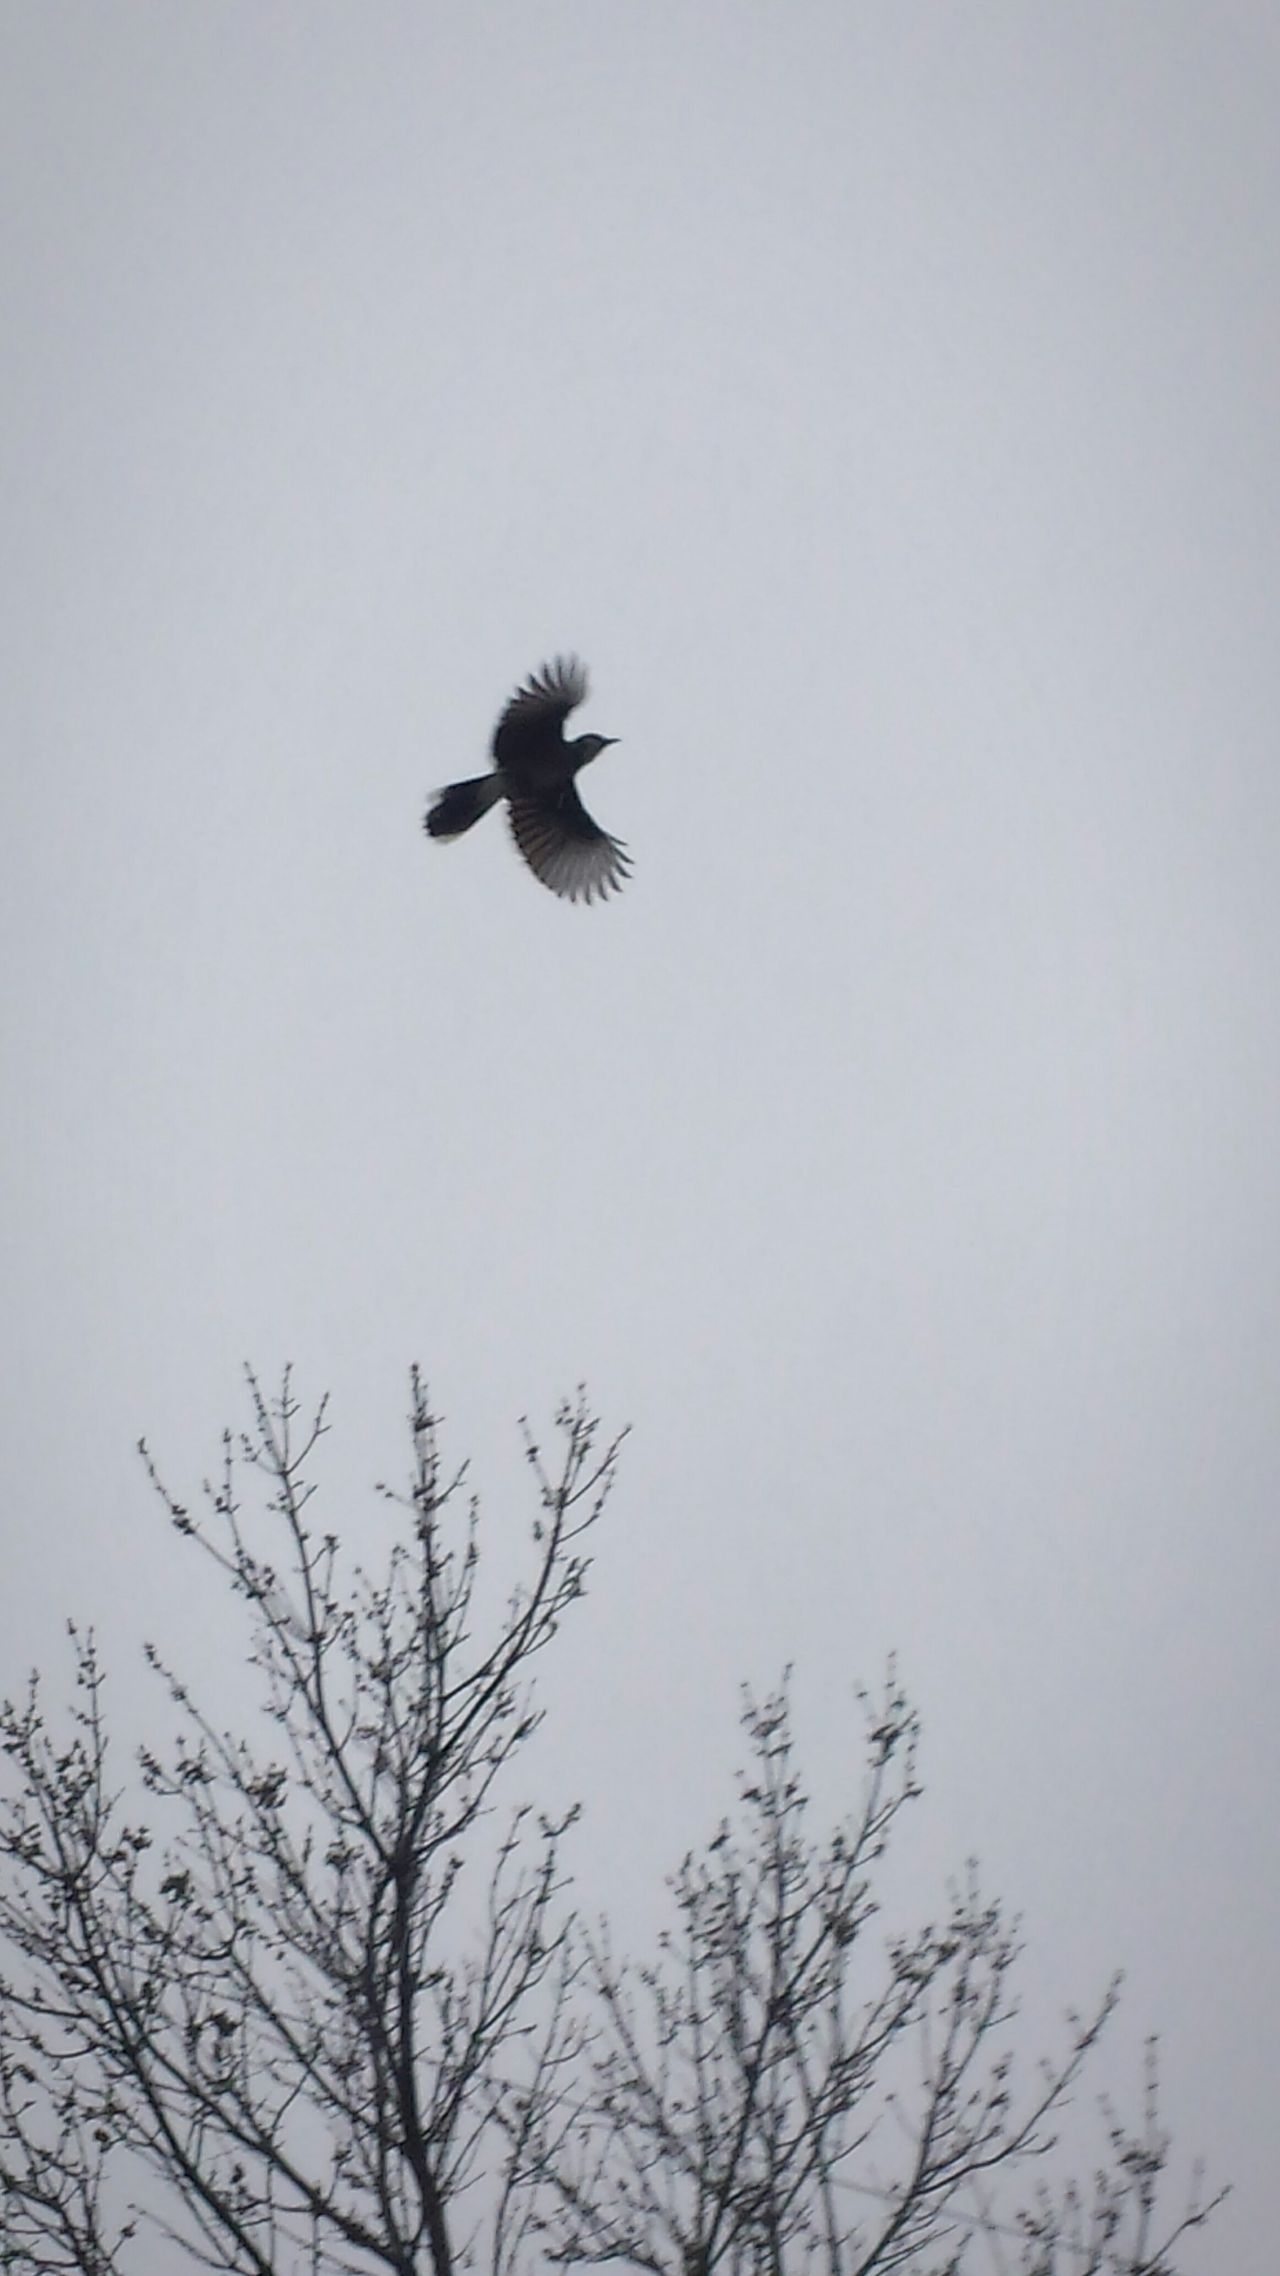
column 565, row 848
column 536, row 714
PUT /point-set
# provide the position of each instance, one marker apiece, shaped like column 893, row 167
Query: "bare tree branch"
column 785, row 2089
column 285, row 1986
column 312, row 2001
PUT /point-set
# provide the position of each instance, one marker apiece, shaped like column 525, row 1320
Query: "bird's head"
column 589, row 747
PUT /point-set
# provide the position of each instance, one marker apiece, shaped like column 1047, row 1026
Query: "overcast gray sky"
column 882, row 398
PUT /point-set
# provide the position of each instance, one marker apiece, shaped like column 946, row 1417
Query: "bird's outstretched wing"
column 536, row 714
column 566, row 849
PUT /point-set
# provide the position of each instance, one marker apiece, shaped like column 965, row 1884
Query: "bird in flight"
column 534, row 769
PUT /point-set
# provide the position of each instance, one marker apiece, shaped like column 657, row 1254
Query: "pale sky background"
column 882, row 398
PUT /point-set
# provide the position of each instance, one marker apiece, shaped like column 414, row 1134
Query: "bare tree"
column 784, row 2090
column 310, row 2003
column 276, row 1983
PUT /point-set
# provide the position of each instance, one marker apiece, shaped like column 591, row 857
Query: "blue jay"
column 534, row 769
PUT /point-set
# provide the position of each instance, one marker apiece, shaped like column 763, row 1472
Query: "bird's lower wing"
column 566, row 849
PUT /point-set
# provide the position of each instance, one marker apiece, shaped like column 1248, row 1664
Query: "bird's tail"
column 462, row 804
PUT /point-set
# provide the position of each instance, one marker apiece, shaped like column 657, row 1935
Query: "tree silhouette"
column 783, row 2089
column 314, row 1999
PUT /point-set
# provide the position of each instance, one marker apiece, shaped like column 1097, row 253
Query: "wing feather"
column 536, row 714
column 566, row 850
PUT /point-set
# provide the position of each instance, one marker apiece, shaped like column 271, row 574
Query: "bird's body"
column 534, row 769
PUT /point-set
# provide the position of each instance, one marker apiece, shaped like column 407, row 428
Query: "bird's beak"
column 605, row 740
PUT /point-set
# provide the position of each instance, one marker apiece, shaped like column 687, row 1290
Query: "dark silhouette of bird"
column 534, row 769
